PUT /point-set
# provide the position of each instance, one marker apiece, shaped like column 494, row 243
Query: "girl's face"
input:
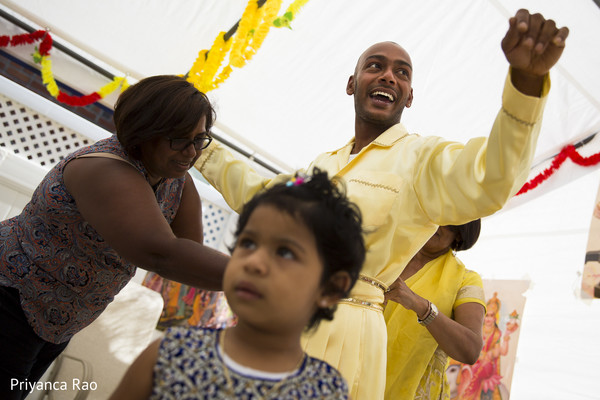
column 273, row 278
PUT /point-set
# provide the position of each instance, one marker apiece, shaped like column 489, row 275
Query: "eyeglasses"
column 200, row 143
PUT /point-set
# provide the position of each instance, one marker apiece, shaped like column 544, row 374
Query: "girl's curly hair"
column 336, row 222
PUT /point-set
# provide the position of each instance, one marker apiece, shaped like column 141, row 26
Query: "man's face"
column 381, row 84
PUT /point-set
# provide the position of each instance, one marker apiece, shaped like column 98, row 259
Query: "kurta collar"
column 386, row 139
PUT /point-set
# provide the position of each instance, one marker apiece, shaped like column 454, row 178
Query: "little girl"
column 298, row 250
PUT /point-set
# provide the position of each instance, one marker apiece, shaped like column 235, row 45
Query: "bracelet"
column 431, row 314
column 427, row 313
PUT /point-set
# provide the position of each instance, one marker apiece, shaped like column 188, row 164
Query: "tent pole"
column 28, row 28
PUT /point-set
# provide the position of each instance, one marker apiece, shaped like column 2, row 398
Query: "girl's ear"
column 335, row 289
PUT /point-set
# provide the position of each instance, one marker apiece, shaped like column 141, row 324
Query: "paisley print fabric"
column 66, row 274
column 190, row 366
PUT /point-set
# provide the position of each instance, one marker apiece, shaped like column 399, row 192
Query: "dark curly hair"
column 159, row 106
column 322, row 206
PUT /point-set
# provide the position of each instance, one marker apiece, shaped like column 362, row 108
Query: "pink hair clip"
column 297, row 180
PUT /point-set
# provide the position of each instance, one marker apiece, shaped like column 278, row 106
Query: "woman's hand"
column 460, row 338
column 400, row 293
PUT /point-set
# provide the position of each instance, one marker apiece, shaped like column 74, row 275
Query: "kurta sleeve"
column 234, row 179
column 457, row 183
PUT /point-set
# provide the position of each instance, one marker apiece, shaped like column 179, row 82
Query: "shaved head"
column 375, row 47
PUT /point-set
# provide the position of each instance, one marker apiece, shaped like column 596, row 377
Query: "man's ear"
column 335, row 289
column 410, row 99
column 350, row 86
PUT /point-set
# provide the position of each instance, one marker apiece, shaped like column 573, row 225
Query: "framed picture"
column 491, row 375
column 590, row 281
column 190, row 306
column 187, row 305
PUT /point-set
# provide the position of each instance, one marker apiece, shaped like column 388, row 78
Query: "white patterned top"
column 190, row 366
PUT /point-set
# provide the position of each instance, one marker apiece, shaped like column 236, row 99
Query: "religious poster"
column 188, row 305
column 590, row 282
column 490, row 377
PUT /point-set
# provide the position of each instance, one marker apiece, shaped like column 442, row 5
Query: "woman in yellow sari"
column 435, row 309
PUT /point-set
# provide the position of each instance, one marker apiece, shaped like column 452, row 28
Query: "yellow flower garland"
column 287, row 17
column 52, row 86
column 271, row 9
column 196, row 71
column 48, row 76
column 222, row 76
column 251, row 32
column 215, row 58
column 112, row 86
column 295, row 7
column 247, row 23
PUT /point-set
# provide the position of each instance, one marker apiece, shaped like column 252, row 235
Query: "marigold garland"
column 42, row 57
column 295, row 7
column 251, row 32
column 567, row 152
column 77, row 101
column 26, row 38
column 270, row 12
column 204, row 77
column 287, row 17
column 249, row 36
column 241, row 38
column 223, row 75
column 195, row 72
column 48, row 77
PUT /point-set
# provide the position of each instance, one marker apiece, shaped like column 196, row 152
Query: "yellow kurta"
column 416, row 366
column 406, row 186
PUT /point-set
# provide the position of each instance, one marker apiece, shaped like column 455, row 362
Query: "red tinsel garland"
column 44, row 50
column 29, row 38
column 78, row 101
column 46, row 45
column 567, row 151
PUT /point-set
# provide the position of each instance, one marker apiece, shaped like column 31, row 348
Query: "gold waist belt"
column 373, row 282
column 367, row 304
column 363, row 303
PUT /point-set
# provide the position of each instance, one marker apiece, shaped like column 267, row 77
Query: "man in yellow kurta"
column 407, row 185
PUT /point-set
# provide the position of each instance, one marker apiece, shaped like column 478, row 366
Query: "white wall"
column 18, row 180
column 545, row 241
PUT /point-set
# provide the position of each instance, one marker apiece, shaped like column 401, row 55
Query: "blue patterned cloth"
column 65, row 272
column 190, row 366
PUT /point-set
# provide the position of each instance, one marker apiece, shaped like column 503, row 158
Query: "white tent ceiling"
column 289, row 104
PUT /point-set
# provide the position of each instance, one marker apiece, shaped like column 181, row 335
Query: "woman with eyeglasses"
column 122, row 202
